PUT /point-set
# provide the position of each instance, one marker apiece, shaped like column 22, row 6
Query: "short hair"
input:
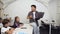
column 5, row 21
column 0, row 18
column 33, row 6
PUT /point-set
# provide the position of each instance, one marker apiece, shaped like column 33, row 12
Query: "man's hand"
column 29, row 17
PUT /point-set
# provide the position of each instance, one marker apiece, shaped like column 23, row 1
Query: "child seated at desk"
column 6, row 29
column 16, row 22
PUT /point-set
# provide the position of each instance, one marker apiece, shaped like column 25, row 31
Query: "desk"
column 28, row 30
column 50, row 23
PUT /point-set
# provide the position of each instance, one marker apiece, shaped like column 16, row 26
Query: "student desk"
column 26, row 29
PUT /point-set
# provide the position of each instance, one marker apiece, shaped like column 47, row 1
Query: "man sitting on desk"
column 33, row 17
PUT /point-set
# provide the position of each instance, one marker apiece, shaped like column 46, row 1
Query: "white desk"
column 50, row 27
column 29, row 30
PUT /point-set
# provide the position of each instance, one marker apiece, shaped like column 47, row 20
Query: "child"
column 16, row 22
column 6, row 28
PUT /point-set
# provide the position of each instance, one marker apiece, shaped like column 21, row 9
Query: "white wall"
column 58, row 12
column 22, row 7
column 54, row 11
column 1, row 5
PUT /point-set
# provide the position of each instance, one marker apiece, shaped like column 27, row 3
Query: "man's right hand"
column 30, row 17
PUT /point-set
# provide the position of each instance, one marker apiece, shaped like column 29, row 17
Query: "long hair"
column 16, row 19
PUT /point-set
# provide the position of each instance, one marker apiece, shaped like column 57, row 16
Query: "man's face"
column 33, row 9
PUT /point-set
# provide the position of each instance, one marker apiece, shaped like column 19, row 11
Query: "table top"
column 27, row 29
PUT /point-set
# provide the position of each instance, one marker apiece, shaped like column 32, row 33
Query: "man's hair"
column 0, row 18
column 5, row 21
column 33, row 6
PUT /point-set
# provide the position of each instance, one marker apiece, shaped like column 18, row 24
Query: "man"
column 1, row 25
column 33, row 17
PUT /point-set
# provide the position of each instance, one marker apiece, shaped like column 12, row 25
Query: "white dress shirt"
column 34, row 15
